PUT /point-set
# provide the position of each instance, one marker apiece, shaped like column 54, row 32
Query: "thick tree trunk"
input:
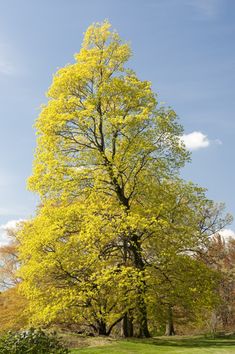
column 142, row 308
column 170, row 331
column 143, row 329
column 127, row 326
column 102, row 330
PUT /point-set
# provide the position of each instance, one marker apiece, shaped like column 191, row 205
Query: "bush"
column 32, row 341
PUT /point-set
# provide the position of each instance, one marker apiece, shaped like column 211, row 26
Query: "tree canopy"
column 118, row 230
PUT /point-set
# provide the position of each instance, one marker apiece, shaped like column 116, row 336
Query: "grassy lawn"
column 177, row 345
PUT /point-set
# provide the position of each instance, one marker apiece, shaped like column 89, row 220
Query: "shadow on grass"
column 189, row 342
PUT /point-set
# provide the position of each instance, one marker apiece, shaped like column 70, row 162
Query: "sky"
column 186, row 48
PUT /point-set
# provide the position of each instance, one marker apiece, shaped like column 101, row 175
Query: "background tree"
column 13, row 306
column 220, row 256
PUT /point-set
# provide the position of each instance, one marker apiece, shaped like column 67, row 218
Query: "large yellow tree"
column 106, row 169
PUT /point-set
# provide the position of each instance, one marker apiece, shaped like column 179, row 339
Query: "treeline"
column 120, row 243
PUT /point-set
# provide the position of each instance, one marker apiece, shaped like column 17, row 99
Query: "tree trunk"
column 135, row 247
column 142, row 308
column 127, row 326
column 143, row 329
column 170, row 331
column 102, row 330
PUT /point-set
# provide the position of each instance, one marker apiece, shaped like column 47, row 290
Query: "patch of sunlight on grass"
column 164, row 345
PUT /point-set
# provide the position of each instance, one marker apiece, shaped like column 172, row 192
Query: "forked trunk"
column 102, row 329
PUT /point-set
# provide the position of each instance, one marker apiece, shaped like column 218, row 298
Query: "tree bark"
column 143, row 329
column 127, row 326
column 102, row 330
column 139, row 263
column 170, row 331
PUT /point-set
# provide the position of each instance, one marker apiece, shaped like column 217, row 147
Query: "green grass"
column 177, row 345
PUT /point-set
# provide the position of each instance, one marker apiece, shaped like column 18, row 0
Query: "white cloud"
column 227, row 233
column 12, row 224
column 195, row 140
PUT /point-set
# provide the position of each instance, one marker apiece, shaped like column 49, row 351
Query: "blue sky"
column 185, row 48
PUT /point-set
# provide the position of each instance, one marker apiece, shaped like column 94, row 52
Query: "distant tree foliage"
column 13, row 305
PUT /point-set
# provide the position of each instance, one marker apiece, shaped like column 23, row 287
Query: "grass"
column 176, row 345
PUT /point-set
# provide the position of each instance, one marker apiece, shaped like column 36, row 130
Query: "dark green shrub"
column 32, row 341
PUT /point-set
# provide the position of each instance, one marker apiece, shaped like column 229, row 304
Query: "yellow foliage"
column 101, row 125
column 113, row 206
